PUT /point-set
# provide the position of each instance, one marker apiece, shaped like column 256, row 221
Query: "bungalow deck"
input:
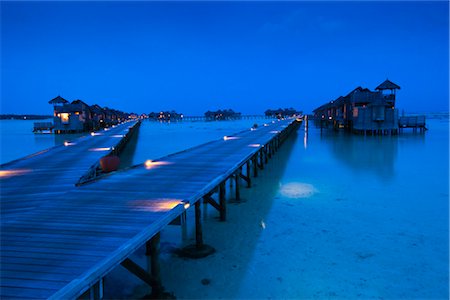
column 58, row 241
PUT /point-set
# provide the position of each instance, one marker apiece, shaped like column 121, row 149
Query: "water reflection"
column 374, row 154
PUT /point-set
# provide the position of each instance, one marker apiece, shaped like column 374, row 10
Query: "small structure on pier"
column 364, row 111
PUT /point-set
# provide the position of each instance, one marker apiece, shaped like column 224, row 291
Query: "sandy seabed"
column 300, row 234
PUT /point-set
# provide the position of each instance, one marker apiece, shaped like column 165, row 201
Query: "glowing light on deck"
column 156, row 205
column 186, row 205
column 297, row 190
column 273, row 122
column 226, row 138
column 12, row 173
column 101, row 149
column 275, row 131
column 252, row 129
column 149, row 164
column 96, row 133
column 265, row 124
column 118, row 135
column 254, row 145
column 68, row 143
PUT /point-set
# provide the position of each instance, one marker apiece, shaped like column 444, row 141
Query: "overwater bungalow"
column 281, row 113
column 98, row 116
column 220, row 115
column 72, row 117
column 165, row 116
column 78, row 116
column 363, row 110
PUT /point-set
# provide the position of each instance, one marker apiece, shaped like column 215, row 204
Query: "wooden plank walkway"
column 28, row 182
column 69, row 242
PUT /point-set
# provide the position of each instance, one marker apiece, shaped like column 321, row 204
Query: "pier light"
column 252, row 129
column 275, row 131
column 265, row 124
column 118, row 135
column 12, row 173
column 96, row 133
column 155, row 205
column 254, row 145
column 149, row 164
column 69, row 143
column 100, row 149
column 226, row 138
column 186, row 205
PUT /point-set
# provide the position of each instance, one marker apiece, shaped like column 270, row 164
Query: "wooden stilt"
column 138, row 271
column 266, row 158
column 96, row 291
column 238, row 194
column 152, row 252
column 261, row 159
column 199, row 249
column 222, row 202
column 249, row 180
column 255, row 165
column 198, row 226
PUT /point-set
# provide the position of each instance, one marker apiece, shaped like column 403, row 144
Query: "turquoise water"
column 18, row 140
column 343, row 216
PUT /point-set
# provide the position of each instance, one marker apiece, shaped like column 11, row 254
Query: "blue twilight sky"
column 198, row 56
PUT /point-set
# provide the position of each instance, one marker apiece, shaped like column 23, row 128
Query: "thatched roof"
column 58, row 99
column 387, row 85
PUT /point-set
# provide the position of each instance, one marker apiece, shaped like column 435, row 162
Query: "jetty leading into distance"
column 59, row 240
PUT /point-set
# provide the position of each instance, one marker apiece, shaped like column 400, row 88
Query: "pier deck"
column 69, row 242
column 28, row 182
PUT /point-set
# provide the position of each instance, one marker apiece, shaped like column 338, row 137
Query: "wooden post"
column 96, row 291
column 255, row 165
column 198, row 226
column 266, row 159
column 222, row 202
column 261, row 159
column 152, row 253
column 238, row 194
column 249, row 182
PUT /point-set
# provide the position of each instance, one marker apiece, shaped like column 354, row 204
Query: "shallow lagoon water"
column 331, row 216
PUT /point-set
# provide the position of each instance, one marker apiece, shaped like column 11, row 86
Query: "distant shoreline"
column 24, row 117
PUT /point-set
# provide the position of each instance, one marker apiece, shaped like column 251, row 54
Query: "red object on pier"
column 109, row 163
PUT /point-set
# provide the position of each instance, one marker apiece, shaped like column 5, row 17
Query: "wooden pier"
column 243, row 117
column 58, row 241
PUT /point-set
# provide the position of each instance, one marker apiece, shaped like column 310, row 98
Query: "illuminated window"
column 65, row 118
column 77, row 112
column 355, row 112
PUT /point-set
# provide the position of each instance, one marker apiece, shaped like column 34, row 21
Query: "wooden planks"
column 63, row 242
